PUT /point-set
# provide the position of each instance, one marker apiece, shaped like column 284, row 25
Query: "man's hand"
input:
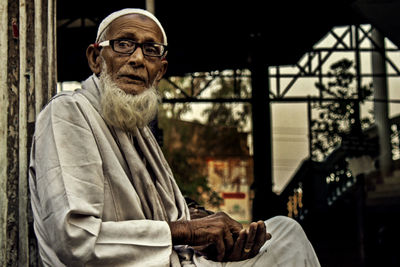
column 220, row 237
column 217, row 230
column 249, row 242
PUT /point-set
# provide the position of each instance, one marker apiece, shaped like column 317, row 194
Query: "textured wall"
column 27, row 80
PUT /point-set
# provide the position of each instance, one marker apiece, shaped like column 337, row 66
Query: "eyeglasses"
column 127, row 46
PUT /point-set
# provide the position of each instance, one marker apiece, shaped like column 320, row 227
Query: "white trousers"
column 288, row 247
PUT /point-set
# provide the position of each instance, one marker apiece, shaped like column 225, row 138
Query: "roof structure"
column 211, row 35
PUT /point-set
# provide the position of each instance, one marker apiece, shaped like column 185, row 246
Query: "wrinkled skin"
column 219, row 237
column 133, row 73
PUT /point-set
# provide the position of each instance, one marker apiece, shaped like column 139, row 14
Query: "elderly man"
column 102, row 193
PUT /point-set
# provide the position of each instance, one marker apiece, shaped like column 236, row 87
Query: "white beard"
column 126, row 111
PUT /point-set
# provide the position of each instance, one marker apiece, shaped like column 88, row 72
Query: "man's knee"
column 288, row 235
column 283, row 224
column 285, row 220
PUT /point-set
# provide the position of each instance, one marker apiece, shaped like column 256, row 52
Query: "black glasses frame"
column 137, row 44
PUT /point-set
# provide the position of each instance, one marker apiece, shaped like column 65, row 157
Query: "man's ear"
column 93, row 58
column 162, row 71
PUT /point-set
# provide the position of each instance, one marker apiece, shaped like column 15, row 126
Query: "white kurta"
column 95, row 203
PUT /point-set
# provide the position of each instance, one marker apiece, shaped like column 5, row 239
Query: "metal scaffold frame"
column 348, row 40
column 355, row 40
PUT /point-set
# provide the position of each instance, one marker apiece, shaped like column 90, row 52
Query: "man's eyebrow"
column 126, row 35
column 132, row 36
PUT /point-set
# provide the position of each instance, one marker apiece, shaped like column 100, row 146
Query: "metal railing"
column 318, row 185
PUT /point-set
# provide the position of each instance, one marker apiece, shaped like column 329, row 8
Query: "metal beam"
column 263, row 204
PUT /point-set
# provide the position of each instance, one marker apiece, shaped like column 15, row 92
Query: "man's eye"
column 124, row 44
column 151, row 49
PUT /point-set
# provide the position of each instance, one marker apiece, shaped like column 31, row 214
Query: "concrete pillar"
column 381, row 110
column 27, row 81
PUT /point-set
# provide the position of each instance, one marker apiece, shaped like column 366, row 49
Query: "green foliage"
column 184, row 160
column 224, row 114
column 338, row 117
column 191, row 181
column 173, row 110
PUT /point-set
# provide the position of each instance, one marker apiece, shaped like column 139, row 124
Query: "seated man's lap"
column 289, row 247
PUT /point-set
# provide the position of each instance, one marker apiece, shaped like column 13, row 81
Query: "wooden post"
column 27, row 81
column 3, row 130
column 23, row 246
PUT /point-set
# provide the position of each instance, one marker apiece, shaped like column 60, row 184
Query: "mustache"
column 133, row 76
column 132, row 72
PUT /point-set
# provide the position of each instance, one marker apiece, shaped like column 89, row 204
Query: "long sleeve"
column 67, row 187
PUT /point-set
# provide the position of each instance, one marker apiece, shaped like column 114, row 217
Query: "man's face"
column 134, row 73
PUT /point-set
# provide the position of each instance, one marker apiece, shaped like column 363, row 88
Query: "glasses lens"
column 153, row 50
column 129, row 46
column 124, row 46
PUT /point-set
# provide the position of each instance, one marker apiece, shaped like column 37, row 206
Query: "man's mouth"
column 133, row 78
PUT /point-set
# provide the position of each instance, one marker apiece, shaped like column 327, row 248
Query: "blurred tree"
column 226, row 114
column 336, row 118
column 173, row 89
column 183, row 159
column 188, row 172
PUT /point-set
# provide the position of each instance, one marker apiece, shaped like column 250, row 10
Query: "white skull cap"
column 110, row 18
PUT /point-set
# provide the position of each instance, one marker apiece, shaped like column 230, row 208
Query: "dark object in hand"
column 196, row 210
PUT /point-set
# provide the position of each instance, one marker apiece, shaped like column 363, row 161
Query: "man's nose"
column 137, row 57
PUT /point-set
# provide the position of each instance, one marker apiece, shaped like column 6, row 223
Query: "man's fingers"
column 249, row 242
column 228, row 240
column 252, row 230
column 239, row 244
column 261, row 235
column 237, row 250
column 260, row 238
column 220, row 245
column 269, row 236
